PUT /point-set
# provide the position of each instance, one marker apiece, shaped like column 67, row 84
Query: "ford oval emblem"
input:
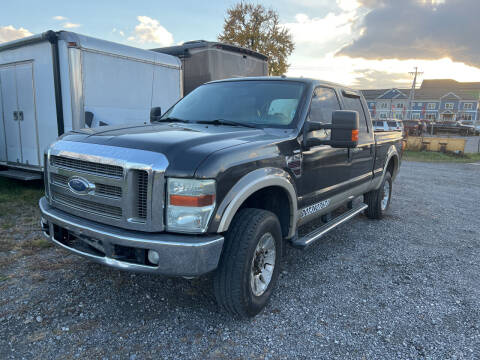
column 80, row 185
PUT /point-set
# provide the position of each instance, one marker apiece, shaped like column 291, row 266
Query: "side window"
column 324, row 103
column 354, row 103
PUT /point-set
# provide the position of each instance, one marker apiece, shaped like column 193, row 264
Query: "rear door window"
column 354, row 103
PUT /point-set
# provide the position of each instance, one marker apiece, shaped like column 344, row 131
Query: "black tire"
column 374, row 199
column 231, row 282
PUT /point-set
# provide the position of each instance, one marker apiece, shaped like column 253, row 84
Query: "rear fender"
column 392, row 153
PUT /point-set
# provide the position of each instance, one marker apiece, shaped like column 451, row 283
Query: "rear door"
column 362, row 157
column 26, row 114
column 325, row 169
column 19, row 118
column 10, row 114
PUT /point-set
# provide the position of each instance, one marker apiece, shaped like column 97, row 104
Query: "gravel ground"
column 406, row 287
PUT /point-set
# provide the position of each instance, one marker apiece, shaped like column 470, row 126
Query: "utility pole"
column 411, row 97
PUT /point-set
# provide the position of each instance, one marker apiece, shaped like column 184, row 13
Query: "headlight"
column 190, row 203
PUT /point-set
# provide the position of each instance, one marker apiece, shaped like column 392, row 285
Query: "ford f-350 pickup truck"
column 220, row 183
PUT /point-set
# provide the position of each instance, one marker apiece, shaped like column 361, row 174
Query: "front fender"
column 249, row 184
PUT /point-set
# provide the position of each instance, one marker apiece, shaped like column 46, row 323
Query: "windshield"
column 261, row 103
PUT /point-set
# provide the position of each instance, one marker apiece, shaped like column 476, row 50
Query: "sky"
column 360, row 43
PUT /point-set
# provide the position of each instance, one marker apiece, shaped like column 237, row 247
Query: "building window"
column 431, row 106
column 383, row 115
column 466, row 117
column 449, row 106
column 400, row 105
column 468, row 106
column 419, row 104
column 431, row 117
column 383, row 105
column 415, row 116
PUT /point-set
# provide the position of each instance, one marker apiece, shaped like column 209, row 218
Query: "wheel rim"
column 263, row 264
column 386, row 195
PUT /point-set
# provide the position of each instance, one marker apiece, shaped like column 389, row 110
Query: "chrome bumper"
column 179, row 255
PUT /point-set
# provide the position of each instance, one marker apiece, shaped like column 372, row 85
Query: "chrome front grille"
column 90, row 206
column 108, row 190
column 100, row 189
column 125, row 186
column 141, row 195
column 87, row 166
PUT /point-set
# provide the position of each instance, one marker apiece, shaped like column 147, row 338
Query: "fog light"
column 153, row 257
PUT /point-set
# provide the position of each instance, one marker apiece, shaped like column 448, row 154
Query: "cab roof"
column 309, row 81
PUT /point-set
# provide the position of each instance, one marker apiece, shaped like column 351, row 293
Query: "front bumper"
column 179, row 255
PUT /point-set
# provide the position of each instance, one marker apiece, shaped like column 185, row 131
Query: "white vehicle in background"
column 388, row 125
column 56, row 82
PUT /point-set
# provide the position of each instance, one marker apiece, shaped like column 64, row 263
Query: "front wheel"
column 250, row 263
column 378, row 201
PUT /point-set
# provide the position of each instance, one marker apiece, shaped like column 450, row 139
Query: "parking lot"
column 406, row 287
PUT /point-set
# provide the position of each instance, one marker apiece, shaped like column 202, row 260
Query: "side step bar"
column 317, row 234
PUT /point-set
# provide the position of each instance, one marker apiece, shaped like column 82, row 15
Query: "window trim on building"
column 449, row 106
column 431, row 106
column 467, row 106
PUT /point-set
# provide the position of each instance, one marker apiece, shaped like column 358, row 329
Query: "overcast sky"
column 362, row 43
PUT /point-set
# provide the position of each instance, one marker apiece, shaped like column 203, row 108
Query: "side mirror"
column 155, row 113
column 345, row 125
column 344, row 130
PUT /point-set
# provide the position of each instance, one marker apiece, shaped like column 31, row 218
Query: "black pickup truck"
column 221, row 182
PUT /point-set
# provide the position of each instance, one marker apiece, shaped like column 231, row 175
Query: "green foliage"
column 15, row 194
column 258, row 29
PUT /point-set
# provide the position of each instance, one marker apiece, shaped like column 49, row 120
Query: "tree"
column 258, row 29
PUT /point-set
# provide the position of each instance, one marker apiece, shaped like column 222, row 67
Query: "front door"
column 19, row 117
column 325, row 169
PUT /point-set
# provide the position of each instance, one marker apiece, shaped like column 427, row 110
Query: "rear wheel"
column 250, row 263
column 378, row 201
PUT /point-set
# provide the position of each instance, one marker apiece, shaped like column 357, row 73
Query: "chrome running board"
column 317, row 234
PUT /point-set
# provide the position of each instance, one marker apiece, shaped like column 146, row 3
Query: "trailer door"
column 10, row 114
column 26, row 114
column 19, row 114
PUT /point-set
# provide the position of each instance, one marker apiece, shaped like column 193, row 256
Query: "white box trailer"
column 60, row 81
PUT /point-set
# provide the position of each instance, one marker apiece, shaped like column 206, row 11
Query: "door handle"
column 20, row 115
column 15, row 116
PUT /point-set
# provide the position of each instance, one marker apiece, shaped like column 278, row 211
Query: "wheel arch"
column 392, row 164
column 255, row 186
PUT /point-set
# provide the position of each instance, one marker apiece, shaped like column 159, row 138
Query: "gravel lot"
column 406, row 287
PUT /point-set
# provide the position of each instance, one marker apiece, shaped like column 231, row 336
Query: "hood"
column 184, row 145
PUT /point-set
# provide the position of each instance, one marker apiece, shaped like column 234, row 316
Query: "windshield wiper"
column 173, row 119
column 227, row 122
